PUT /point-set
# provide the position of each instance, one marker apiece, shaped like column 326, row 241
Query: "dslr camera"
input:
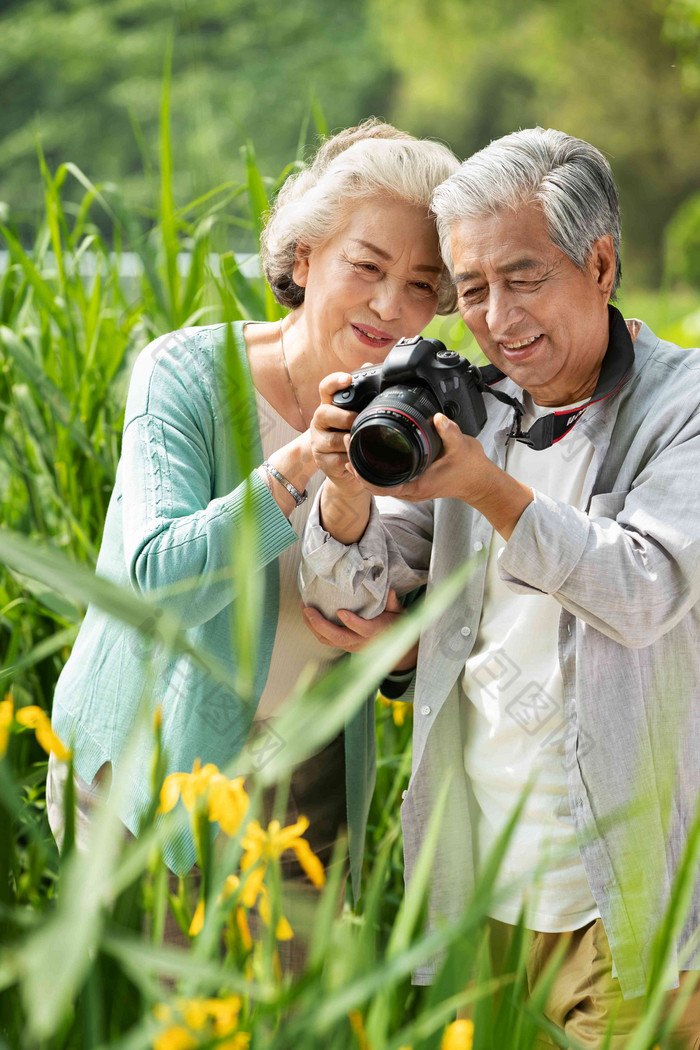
column 393, row 439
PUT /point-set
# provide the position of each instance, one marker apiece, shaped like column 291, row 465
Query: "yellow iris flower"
column 31, row 717
column 458, row 1036
column 240, row 1041
column 254, row 892
column 7, row 708
column 197, row 920
column 358, row 1026
column 228, row 803
column 261, row 845
column 226, row 800
column 177, row 1037
column 218, row 1016
column 399, row 709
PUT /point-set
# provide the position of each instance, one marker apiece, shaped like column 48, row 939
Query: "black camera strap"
column 547, row 430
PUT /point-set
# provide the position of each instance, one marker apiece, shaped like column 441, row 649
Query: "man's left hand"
column 357, row 631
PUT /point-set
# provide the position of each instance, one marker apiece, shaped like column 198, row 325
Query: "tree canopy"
column 85, row 78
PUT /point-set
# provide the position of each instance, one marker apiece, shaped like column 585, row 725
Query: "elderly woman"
column 351, row 248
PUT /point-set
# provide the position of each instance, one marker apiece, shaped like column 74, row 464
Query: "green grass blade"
column 318, row 115
column 49, row 394
column 39, row 286
column 168, row 224
column 58, row 572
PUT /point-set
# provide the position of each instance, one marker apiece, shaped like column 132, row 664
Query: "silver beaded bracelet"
column 298, row 497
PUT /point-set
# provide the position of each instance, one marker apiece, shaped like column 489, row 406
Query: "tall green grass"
column 82, row 964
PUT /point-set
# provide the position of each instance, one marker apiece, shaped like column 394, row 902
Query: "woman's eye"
column 423, row 288
column 367, row 267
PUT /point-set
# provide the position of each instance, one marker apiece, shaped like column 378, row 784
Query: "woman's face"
column 374, row 282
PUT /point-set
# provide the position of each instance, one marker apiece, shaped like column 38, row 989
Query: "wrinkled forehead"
column 513, row 240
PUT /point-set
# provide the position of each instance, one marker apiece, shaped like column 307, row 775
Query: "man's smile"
column 522, row 348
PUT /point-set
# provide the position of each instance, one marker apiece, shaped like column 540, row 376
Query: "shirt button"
column 465, row 631
column 425, row 710
column 403, row 794
column 478, row 546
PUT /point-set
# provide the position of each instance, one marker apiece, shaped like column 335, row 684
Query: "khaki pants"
column 585, row 995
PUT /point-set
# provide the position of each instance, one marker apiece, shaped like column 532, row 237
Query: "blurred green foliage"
column 683, row 243
column 607, row 71
column 85, row 78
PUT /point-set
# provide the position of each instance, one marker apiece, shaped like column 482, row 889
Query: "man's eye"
column 524, row 286
column 471, row 295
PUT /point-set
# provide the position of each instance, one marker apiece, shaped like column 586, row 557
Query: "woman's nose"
column 387, row 298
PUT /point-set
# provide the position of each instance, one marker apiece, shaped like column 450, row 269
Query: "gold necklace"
column 289, row 377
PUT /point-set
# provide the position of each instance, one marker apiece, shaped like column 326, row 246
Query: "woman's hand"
column 345, row 501
column 328, row 429
column 357, row 631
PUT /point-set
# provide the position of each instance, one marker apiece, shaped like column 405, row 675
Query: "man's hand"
column 464, row 471
column 357, row 631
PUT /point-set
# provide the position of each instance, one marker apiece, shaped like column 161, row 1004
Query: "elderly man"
column 571, row 660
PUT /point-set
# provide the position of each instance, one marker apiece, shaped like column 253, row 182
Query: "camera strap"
column 547, row 430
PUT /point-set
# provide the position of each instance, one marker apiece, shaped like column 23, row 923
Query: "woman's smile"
column 370, row 336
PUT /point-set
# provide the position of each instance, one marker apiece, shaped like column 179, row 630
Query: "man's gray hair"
column 570, row 179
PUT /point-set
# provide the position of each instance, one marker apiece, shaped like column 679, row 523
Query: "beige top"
column 295, row 647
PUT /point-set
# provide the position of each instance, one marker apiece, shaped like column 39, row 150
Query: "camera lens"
column 383, row 452
column 393, row 440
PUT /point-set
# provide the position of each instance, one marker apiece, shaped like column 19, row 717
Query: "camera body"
column 393, row 439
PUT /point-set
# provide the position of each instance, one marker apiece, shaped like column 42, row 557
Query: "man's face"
column 534, row 314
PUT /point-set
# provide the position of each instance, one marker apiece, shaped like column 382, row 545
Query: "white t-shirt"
column 514, row 714
column 295, row 646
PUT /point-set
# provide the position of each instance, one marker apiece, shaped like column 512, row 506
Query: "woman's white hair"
column 371, row 160
column 570, row 180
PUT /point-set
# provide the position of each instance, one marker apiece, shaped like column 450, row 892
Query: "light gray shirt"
column 626, row 572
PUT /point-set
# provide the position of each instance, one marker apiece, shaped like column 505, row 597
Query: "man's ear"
column 602, row 263
column 300, row 273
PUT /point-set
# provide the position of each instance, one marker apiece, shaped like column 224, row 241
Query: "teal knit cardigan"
column 176, row 504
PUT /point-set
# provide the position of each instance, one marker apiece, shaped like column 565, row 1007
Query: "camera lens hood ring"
column 386, row 475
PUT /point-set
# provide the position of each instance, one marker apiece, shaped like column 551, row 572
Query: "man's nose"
column 500, row 312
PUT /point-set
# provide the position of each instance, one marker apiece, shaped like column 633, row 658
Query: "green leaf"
column 41, row 288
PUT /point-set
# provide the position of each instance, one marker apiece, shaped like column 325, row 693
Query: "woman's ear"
column 300, row 273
